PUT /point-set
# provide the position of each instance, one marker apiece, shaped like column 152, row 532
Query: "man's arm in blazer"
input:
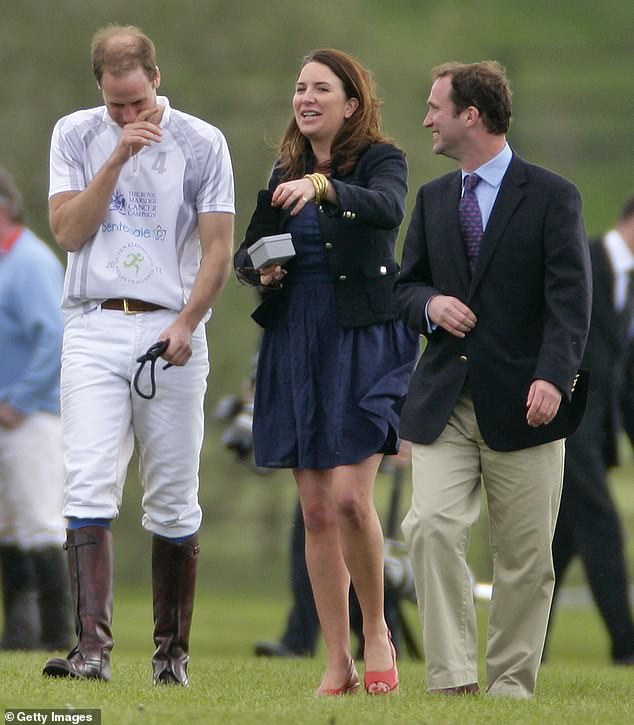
column 567, row 286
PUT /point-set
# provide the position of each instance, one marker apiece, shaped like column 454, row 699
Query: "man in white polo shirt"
column 141, row 197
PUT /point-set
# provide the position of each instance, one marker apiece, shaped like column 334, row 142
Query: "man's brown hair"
column 121, row 48
column 483, row 85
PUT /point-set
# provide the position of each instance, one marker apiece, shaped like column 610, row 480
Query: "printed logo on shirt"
column 140, row 204
column 160, row 234
column 133, row 264
column 117, row 202
column 123, row 228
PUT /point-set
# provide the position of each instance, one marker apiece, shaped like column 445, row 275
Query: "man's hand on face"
column 144, row 131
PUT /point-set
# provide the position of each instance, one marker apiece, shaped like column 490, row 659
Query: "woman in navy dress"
column 334, row 361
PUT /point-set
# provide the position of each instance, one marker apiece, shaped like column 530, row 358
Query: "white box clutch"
column 268, row 251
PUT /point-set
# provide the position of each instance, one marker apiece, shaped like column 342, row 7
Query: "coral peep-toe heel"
column 349, row 687
column 382, row 683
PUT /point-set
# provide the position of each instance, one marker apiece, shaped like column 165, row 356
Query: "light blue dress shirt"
column 491, row 175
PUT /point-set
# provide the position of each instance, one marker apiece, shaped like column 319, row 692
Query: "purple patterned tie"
column 470, row 219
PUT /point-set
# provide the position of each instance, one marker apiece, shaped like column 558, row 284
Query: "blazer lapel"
column 509, row 196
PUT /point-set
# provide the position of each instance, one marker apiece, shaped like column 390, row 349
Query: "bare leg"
column 328, row 573
column 362, row 543
column 343, row 539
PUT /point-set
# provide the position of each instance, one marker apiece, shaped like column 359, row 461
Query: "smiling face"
column 446, row 125
column 320, row 104
column 127, row 94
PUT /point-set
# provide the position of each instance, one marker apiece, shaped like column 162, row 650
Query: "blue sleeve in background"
column 31, row 326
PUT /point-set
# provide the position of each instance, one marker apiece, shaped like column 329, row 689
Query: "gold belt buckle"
column 127, row 310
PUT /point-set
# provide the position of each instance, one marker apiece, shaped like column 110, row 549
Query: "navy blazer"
column 606, row 353
column 530, row 292
column 359, row 236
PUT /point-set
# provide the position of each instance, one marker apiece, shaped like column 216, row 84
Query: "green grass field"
column 243, row 596
column 231, row 686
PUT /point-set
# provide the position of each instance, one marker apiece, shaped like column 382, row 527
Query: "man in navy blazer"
column 491, row 399
column 588, row 525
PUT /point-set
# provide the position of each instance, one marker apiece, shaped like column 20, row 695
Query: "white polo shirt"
column 147, row 246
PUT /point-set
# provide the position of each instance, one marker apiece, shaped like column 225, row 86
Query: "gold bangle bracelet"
column 315, row 183
column 323, row 187
column 320, row 185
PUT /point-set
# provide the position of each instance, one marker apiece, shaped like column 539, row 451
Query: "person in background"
column 301, row 633
column 496, row 275
column 334, row 360
column 34, row 575
column 588, row 525
column 626, row 402
column 141, row 197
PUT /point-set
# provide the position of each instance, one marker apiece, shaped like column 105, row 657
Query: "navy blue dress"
column 325, row 395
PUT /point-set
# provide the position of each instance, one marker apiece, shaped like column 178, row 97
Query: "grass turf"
column 231, row 686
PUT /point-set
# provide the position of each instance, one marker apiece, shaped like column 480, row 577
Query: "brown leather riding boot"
column 91, row 570
column 173, row 586
column 19, row 600
column 55, row 610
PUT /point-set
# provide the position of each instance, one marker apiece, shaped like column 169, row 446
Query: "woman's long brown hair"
column 356, row 133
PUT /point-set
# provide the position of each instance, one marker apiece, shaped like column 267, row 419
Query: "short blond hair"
column 121, row 48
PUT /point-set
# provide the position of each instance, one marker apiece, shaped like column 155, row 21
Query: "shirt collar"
column 10, row 240
column 621, row 256
column 493, row 171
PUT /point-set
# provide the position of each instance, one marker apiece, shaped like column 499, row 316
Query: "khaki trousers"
column 523, row 490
